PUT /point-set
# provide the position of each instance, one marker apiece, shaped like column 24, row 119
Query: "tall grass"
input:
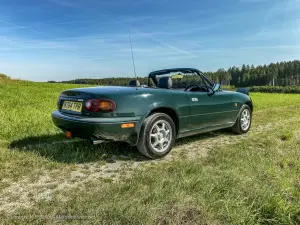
column 26, row 108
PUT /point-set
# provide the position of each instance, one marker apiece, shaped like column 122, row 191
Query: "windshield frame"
column 206, row 80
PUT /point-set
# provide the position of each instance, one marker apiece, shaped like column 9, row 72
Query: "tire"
column 153, row 131
column 240, row 127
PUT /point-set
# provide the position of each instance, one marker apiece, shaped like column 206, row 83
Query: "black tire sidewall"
column 156, row 117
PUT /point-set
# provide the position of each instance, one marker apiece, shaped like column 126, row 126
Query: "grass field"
column 214, row 178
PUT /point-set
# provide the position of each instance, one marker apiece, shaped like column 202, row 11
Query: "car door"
column 210, row 110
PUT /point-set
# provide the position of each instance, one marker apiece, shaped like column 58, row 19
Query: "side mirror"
column 216, row 87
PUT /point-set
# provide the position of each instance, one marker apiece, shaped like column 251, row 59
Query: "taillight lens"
column 104, row 105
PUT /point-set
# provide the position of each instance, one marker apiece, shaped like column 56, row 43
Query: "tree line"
column 274, row 74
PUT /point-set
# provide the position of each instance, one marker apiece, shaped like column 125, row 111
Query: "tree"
column 4, row 76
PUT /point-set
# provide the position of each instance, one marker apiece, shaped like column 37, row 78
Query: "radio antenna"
column 132, row 59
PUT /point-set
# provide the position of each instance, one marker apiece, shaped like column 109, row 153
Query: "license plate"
column 72, row 106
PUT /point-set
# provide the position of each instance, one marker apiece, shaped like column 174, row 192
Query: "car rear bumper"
column 108, row 129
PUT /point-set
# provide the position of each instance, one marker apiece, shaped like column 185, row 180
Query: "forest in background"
column 274, row 74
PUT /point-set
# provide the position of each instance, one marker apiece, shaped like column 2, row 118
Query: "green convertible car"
column 175, row 103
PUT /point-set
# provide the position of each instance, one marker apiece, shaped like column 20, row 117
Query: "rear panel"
column 80, row 98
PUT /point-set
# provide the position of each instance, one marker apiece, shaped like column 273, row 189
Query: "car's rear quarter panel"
column 172, row 99
column 146, row 100
column 135, row 103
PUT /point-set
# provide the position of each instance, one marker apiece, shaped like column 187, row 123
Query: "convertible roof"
column 165, row 71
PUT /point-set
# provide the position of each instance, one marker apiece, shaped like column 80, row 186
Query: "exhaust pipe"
column 96, row 142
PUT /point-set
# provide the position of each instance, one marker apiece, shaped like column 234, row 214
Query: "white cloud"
column 179, row 50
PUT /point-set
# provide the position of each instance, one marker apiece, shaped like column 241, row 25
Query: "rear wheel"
column 157, row 136
column 243, row 121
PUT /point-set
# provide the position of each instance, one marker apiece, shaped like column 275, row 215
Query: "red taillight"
column 96, row 105
column 68, row 134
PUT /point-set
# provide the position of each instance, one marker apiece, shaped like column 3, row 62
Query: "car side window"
column 194, row 79
column 188, row 82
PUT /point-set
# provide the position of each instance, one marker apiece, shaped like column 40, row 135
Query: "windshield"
column 181, row 80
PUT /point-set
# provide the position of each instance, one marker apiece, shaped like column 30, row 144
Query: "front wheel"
column 243, row 121
column 157, row 136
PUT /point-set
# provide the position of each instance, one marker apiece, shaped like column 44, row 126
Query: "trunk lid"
column 72, row 101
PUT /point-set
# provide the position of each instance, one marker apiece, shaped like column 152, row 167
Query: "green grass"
column 249, row 179
column 26, row 109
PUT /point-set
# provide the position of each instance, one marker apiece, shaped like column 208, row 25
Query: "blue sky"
column 45, row 40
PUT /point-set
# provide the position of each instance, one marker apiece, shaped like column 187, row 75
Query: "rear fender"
column 139, row 124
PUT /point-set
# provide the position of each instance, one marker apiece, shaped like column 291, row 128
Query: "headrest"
column 165, row 82
column 134, row 83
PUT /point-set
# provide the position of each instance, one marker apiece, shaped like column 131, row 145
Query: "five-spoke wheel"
column 243, row 122
column 157, row 136
column 160, row 136
column 245, row 119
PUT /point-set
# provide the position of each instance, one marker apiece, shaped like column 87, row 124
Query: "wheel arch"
column 250, row 104
column 155, row 115
column 170, row 112
column 161, row 109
